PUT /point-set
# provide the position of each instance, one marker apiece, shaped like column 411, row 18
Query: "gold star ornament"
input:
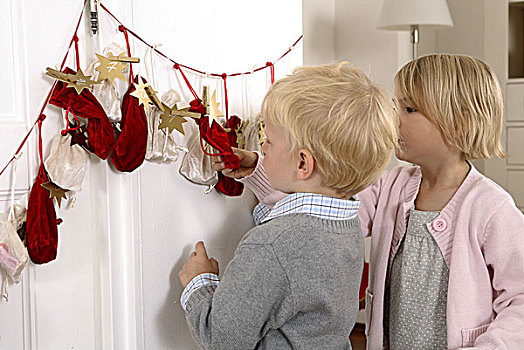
column 216, row 112
column 172, row 122
column 141, row 93
column 55, row 192
column 261, row 134
column 173, row 118
column 78, row 81
column 110, row 69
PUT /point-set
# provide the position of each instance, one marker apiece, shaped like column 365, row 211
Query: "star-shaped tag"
column 216, row 112
column 141, row 93
column 78, row 137
column 261, row 134
column 172, row 122
column 80, row 82
column 173, row 118
column 110, row 69
column 55, row 192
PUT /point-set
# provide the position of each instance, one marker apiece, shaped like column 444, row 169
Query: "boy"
column 294, row 280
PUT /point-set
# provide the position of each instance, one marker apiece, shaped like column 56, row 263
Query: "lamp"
column 410, row 14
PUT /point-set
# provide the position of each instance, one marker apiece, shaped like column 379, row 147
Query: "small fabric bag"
column 13, row 254
column 41, row 230
column 101, row 137
column 227, row 185
column 66, row 163
column 161, row 145
column 197, row 166
column 130, row 148
column 106, row 92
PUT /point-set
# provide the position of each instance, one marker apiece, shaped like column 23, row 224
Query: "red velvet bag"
column 131, row 145
column 101, row 136
column 227, row 185
column 41, row 226
column 216, row 136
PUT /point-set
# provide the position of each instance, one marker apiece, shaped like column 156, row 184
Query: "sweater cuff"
column 198, row 295
column 259, row 184
column 202, row 280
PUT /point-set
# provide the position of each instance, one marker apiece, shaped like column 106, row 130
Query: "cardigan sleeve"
column 503, row 250
column 368, row 205
column 244, row 307
column 259, row 184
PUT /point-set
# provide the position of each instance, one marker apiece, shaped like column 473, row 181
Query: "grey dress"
column 417, row 294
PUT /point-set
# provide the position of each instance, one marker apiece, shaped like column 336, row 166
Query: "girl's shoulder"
column 482, row 188
column 400, row 176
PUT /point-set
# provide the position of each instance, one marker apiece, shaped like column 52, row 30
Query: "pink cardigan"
column 481, row 235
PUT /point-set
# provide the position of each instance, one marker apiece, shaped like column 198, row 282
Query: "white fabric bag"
column 197, row 166
column 66, row 164
column 161, row 145
column 106, row 93
column 13, row 253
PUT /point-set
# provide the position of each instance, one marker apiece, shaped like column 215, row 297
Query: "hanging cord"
column 224, row 76
column 66, row 117
column 11, row 214
column 40, row 153
column 272, row 70
column 150, row 76
column 77, row 54
column 124, row 30
column 211, row 154
column 177, row 67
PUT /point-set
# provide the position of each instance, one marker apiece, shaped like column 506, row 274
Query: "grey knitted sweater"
column 292, row 284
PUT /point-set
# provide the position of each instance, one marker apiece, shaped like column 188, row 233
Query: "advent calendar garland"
column 124, row 143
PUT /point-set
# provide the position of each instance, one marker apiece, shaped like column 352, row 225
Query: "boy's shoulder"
column 290, row 229
column 269, row 232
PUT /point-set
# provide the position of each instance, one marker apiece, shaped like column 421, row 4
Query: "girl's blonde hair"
column 462, row 96
column 343, row 118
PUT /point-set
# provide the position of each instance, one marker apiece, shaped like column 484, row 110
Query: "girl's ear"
column 305, row 164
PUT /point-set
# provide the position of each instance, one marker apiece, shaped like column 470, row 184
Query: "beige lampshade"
column 402, row 14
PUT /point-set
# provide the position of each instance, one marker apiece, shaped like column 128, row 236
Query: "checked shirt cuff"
column 204, row 279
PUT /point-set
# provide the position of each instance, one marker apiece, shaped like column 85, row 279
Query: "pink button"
column 439, row 225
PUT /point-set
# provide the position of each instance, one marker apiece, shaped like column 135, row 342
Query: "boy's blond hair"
column 343, row 118
column 461, row 95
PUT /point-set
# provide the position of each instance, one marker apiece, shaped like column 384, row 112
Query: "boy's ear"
column 305, row 164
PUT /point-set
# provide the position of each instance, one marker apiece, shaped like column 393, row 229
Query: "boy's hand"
column 197, row 264
column 248, row 162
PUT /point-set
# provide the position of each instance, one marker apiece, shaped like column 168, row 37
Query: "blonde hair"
column 461, row 96
column 343, row 118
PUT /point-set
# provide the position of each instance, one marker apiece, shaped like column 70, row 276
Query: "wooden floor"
column 358, row 337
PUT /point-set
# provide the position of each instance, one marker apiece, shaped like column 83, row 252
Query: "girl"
column 447, row 251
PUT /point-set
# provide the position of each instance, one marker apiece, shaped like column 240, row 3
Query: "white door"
column 114, row 284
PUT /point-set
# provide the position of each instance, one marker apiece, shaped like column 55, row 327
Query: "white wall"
column 114, row 284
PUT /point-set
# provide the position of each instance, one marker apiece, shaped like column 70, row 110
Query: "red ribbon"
column 77, row 55
column 124, row 30
column 177, row 67
column 272, row 69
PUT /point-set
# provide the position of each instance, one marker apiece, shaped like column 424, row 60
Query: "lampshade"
column 402, row 14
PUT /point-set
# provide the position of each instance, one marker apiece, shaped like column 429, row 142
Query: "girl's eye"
column 411, row 110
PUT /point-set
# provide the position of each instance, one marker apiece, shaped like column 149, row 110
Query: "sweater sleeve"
column 244, row 307
column 368, row 205
column 504, row 254
column 259, row 184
